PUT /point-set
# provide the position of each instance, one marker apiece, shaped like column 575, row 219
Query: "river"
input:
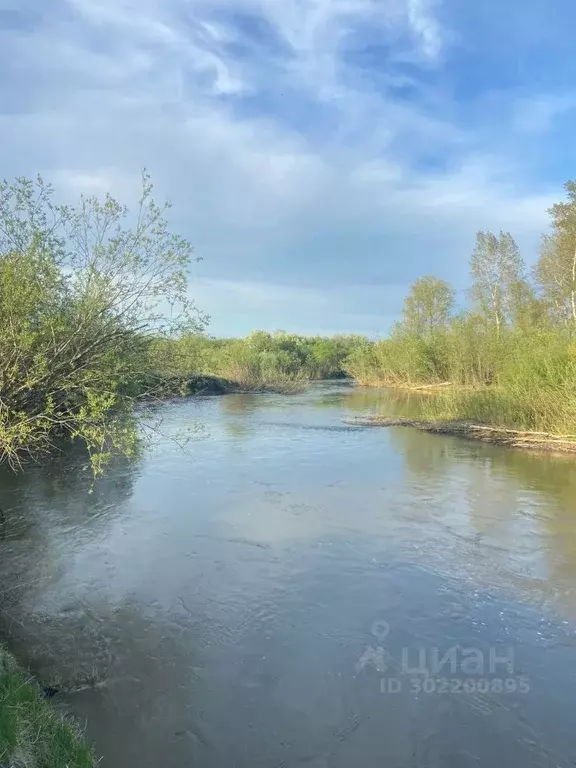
column 293, row 592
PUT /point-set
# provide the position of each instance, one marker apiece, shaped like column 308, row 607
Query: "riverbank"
column 531, row 414
column 432, row 388
column 159, row 387
column 512, row 438
column 32, row 732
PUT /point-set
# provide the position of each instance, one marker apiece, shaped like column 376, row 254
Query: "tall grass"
column 534, row 390
column 32, row 733
column 517, row 379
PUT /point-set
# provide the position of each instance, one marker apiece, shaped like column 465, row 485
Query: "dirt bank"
column 537, row 441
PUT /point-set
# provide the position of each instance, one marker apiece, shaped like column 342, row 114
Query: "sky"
column 319, row 154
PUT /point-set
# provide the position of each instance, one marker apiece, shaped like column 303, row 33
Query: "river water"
column 282, row 593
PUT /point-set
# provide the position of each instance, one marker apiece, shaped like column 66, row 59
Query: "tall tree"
column 428, row 305
column 498, row 271
column 555, row 270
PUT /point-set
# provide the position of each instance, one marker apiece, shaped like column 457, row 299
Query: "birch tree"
column 497, row 270
column 555, row 270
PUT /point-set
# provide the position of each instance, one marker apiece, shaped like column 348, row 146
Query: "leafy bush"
column 82, row 294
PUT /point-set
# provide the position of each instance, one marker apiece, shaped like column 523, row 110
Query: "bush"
column 82, row 294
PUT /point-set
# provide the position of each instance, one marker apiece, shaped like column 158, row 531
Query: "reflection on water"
column 212, row 608
column 383, row 402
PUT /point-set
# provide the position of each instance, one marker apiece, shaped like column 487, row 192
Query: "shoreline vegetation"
column 506, row 360
column 32, row 732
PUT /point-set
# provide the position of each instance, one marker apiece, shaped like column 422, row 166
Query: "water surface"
column 247, row 603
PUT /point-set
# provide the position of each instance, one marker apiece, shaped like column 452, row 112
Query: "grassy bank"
column 533, row 389
column 532, row 410
column 32, row 733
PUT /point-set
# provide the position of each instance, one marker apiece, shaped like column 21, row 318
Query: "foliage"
column 497, row 269
column 556, row 268
column 82, row 292
column 428, row 306
column 259, row 361
column 537, row 397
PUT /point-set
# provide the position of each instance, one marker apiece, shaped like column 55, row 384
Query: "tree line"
column 261, row 360
column 513, row 346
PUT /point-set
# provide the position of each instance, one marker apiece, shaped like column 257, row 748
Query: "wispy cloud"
column 425, row 26
column 308, row 145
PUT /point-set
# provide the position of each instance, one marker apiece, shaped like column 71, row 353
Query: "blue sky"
column 320, row 154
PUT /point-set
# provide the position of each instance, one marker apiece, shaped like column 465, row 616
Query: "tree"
column 497, row 270
column 555, row 270
column 526, row 310
column 82, row 293
column 428, row 306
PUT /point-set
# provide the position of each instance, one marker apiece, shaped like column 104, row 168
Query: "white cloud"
column 425, row 26
column 287, row 214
